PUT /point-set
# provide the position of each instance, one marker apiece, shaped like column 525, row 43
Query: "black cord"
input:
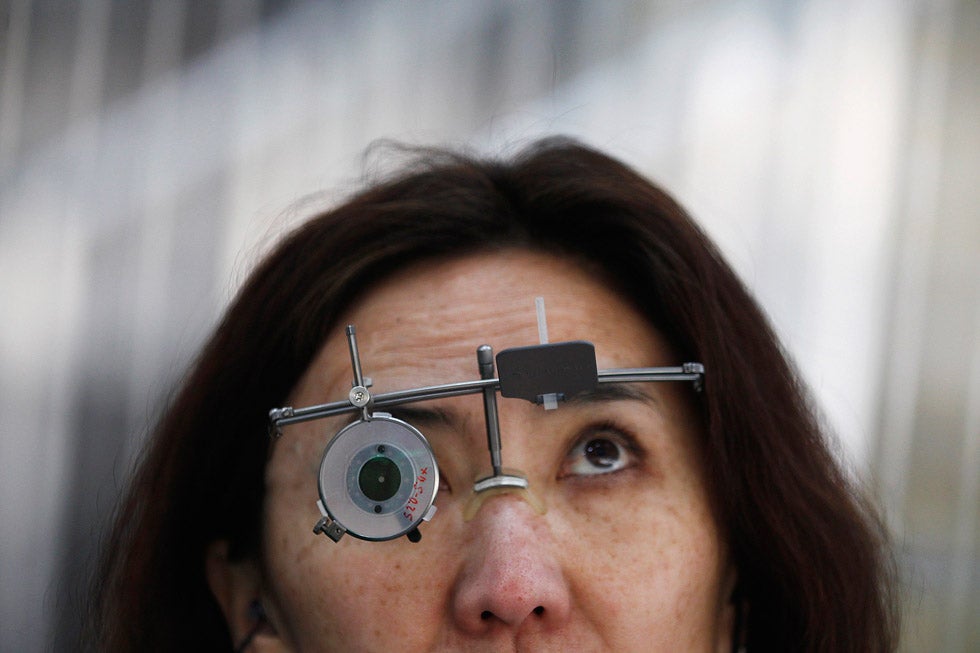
column 249, row 637
column 738, row 636
column 257, row 613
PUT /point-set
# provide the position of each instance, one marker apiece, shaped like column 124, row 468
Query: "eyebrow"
column 605, row 392
column 430, row 416
column 423, row 415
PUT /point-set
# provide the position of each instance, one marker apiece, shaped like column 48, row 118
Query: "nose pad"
column 511, row 576
column 481, row 496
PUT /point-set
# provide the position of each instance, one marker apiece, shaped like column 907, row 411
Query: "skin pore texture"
column 627, row 556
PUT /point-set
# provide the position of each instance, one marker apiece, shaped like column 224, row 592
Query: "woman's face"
column 626, row 557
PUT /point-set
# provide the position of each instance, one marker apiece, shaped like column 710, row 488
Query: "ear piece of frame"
column 378, row 476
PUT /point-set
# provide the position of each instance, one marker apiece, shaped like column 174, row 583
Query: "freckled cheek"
column 664, row 556
column 351, row 591
column 318, row 591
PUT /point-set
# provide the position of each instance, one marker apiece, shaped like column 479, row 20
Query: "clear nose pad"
column 508, row 482
column 378, row 480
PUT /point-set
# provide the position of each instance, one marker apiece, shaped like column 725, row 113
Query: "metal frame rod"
column 280, row 417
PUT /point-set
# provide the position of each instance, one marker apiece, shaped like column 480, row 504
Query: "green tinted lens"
column 379, row 478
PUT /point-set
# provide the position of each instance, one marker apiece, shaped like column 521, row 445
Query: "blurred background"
column 151, row 150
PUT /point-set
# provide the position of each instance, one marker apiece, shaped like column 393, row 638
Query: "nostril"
column 487, row 614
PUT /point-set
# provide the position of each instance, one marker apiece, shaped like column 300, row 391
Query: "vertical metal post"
column 484, row 357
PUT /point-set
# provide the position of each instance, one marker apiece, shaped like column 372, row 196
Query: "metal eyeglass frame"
column 542, row 374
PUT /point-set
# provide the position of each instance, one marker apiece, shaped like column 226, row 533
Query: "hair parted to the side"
column 814, row 568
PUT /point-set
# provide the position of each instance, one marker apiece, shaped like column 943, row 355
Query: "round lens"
column 379, row 478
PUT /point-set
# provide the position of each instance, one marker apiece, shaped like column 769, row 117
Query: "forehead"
column 423, row 324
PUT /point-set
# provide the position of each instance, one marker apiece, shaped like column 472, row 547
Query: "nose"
column 510, row 576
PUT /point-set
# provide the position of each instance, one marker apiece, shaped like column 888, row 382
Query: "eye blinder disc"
column 378, row 478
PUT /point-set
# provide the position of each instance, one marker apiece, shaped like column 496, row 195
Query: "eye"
column 444, row 486
column 600, row 451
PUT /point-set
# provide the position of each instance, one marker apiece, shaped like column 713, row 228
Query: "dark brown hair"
column 811, row 554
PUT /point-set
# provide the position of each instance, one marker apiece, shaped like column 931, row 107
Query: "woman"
column 655, row 518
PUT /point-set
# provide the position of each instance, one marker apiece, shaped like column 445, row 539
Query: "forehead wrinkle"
column 420, row 361
column 452, row 334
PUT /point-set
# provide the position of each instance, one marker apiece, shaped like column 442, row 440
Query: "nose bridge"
column 508, row 518
column 510, row 420
column 511, row 573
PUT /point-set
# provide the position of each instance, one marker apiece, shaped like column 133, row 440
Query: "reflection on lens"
column 379, row 478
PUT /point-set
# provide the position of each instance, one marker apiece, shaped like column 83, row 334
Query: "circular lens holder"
column 378, row 478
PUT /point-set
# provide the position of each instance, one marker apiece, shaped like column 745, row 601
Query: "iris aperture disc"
column 378, row 477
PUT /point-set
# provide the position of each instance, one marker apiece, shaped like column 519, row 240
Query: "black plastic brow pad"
column 562, row 368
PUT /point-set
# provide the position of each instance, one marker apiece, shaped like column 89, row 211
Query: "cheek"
column 649, row 564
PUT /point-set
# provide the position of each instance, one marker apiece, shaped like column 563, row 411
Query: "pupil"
column 601, row 453
column 379, row 478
